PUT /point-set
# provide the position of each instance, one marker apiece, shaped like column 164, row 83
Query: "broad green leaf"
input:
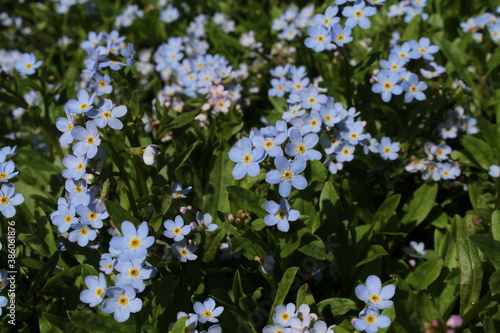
column 304, row 296
column 48, row 267
column 211, row 245
column 471, row 269
column 338, row 306
column 374, row 252
column 97, row 323
column 220, row 176
column 180, row 325
column 386, row 211
column 283, row 288
column 118, row 214
column 50, row 323
column 425, row 273
column 34, row 242
column 495, row 225
column 290, row 242
column 421, row 203
column 180, row 120
column 247, row 200
column 487, row 245
column 495, row 282
column 478, row 150
column 313, row 246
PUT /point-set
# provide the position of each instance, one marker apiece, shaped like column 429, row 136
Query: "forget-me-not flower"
column 287, row 175
column 280, row 214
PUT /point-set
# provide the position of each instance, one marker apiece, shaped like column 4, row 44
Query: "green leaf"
column 425, row 273
column 283, row 288
column 180, row 325
column 220, row 176
column 35, row 243
column 96, row 323
column 471, row 269
column 420, row 204
column 118, row 214
column 304, row 296
column 374, row 252
column 487, row 245
column 211, row 245
column 180, row 120
column 386, row 211
column 313, row 246
column 495, row 282
column 478, row 151
column 495, row 225
column 247, row 200
column 166, row 200
column 50, row 323
column 338, row 306
column 290, row 242
column 48, row 267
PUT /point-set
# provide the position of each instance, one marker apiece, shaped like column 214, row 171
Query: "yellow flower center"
column 134, row 272
column 70, row 126
column 90, row 140
column 102, row 83
column 107, row 114
column 340, row 37
column 84, row 231
column 80, row 166
column 123, row 300
column 3, row 175
column 301, row 149
column 285, row 316
column 269, row 144
column 92, row 216
column 281, row 214
column 207, row 314
column 135, row 242
column 83, row 106
column 287, row 174
column 387, row 85
column 184, row 252
column 99, row 291
column 374, row 298
column 78, row 189
column 176, row 231
column 247, row 158
column 176, row 195
column 370, row 319
column 387, row 150
column 321, row 38
column 312, row 100
column 29, row 66
column 413, row 89
column 68, row 218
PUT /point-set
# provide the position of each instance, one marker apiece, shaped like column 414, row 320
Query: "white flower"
column 149, row 154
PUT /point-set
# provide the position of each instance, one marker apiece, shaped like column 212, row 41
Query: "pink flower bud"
column 183, row 210
column 193, row 225
column 454, row 321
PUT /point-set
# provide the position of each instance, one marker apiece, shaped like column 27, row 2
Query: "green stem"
column 481, row 304
column 123, row 174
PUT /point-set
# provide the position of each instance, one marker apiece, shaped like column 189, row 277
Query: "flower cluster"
column 377, row 298
column 456, row 121
column 127, row 256
column 8, row 199
column 288, row 318
column 409, row 9
column 63, row 6
column 437, row 165
column 206, row 312
column 475, row 25
column 127, row 18
column 289, row 23
column 394, row 79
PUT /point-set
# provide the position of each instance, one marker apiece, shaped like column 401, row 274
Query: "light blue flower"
column 319, row 38
column 280, row 214
column 387, row 85
column 108, row 114
column 247, row 159
column 77, row 190
column 301, row 147
column 134, row 243
column 329, row 18
column 415, row 249
column 9, row 199
column 207, row 311
column 311, row 98
column 176, row 230
column 133, row 272
column 82, row 105
column 494, row 171
column 423, row 49
column 64, row 218
column 414, row 89
column 121, row 302
column 345, row 152
column 3, row 302
column 89, row 140
column 7, row 171
column 93, row 214
column 340, row 35
column 388, row 150
column 370, row 320
column 81, row 234
column 184, row 251
column 205, row 222
column 178, row 192
column 287, row 175
column 65, row 125
column 27, row 64
column 357, row 15
column 96, row 290
column 75, row 166
column 374, row 295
